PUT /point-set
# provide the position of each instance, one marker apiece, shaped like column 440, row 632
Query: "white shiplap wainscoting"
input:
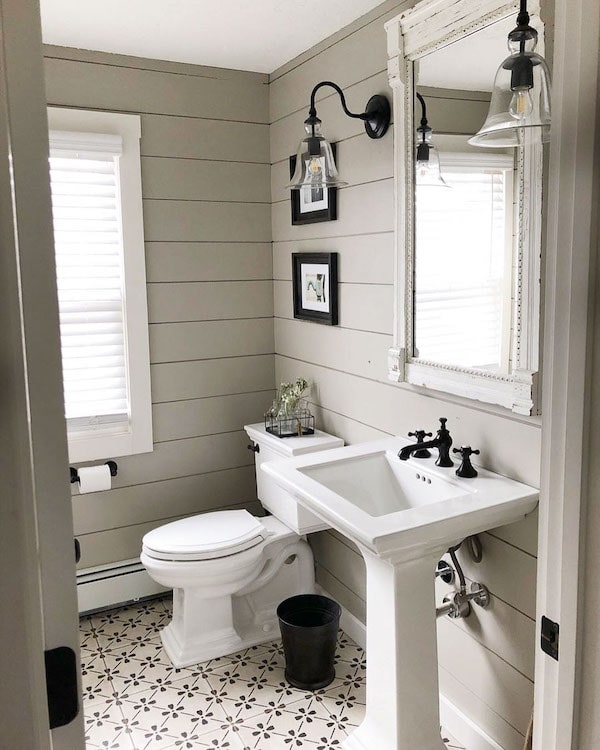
column 205, row 186
column 486, row 662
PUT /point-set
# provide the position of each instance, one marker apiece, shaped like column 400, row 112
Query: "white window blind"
column 96, row 187
column 463, row 240
column 89, row 259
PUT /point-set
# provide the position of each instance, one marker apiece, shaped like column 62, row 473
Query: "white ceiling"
column 258, row 35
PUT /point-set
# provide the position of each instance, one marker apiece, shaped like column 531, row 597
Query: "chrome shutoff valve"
column 459, row 604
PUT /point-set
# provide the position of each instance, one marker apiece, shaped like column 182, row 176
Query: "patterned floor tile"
column 102, row 733
column 224, row 738
column 152, row 738
column 134, row 699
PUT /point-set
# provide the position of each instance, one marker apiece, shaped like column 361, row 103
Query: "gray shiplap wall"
column 486, row 662
column 205, row 184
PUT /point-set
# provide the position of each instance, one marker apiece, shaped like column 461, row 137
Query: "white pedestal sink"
column 403, row 516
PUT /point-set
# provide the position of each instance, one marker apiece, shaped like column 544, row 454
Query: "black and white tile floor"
column 134, row 699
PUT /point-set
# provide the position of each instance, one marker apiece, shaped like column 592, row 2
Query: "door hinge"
column 549, row 638
column 61, row 685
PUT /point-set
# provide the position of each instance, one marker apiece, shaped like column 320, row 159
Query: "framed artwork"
column 314, row 282
column 311, row 205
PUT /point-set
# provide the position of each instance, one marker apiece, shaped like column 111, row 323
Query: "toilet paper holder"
column 112, row 465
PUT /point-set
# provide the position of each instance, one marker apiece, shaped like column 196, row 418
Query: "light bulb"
column 521, row 104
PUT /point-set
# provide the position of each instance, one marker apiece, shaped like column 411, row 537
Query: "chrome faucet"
column 442, row 441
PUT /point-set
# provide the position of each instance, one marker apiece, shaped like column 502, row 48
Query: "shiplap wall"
column 486, row 662
column 205, row 184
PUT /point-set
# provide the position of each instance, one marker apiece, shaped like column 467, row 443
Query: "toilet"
column 229, row 569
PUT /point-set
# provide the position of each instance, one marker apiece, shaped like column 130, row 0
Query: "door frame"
column 36, row 525
column 568, row 329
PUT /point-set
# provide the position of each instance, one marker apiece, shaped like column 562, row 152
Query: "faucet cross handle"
column 421, row 435
column 466, row 470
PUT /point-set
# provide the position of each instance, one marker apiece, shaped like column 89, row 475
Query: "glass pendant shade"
column 427, row 163
column 519, row 111
column 315, row 165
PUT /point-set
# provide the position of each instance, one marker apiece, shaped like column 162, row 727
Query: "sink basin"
column 402, row 515
column 387, row 505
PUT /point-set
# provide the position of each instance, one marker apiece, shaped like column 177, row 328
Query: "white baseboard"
column 463, row 729
column 452, row 718
column 112, row 585
column 349, row 623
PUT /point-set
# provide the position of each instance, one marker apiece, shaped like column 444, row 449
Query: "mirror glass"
column 465, row 227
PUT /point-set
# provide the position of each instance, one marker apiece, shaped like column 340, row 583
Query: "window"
column 98, row 233
column 464, row 236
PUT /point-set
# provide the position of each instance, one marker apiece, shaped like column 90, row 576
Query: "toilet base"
column 205, row 626
column 184, row 654
column 187, row 654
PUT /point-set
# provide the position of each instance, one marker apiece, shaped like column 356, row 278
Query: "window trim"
column 92, row 444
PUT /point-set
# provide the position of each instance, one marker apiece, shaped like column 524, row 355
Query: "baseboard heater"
column 106, row 586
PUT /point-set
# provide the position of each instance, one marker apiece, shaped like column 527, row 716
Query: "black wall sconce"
column 427, row 163
column 315, row 164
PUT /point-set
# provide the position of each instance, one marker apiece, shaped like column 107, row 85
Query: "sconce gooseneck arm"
column 423, row 110
column 376, row 116
column 313, row 110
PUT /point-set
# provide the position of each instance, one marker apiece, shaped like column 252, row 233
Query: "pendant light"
column 520, row 105
column 427, row 162
column 315, row 164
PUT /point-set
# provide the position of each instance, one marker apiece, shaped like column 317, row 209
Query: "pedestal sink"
column 403, row 516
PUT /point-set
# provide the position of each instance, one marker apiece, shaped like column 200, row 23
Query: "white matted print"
column 315, row 286
column 314, row 198
column 311, row 204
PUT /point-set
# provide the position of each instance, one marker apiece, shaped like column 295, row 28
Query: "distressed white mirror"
column 468, row 253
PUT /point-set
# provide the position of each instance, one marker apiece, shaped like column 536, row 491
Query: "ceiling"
column 259, row 35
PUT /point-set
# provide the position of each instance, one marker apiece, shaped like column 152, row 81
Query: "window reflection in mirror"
column 464, row 239
column 465, row 233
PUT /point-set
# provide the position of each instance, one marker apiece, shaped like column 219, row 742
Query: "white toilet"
column 228, row 569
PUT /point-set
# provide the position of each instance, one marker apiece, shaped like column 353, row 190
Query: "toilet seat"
column 205, row 537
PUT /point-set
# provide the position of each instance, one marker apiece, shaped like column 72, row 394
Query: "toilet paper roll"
column 94, row 479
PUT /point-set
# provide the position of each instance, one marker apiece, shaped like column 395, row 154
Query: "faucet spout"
column 442, row 441
column 405, row 453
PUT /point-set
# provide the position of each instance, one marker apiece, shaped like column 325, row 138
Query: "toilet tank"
column 275, row 499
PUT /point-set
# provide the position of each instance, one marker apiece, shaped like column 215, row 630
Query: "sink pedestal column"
column 402, row 668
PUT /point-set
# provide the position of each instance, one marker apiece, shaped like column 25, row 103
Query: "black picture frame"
column 315, row 299
column 300, row 214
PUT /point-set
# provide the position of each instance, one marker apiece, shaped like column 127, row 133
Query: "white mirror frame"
column 431, row 25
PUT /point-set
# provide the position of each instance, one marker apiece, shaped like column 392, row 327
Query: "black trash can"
column 309, row 626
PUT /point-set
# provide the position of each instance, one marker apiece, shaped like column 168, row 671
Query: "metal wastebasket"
column 309, row 626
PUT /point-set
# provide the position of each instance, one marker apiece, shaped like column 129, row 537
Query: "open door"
column 38, row 621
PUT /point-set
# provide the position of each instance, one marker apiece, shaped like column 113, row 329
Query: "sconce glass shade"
column 315, row 164
column 427, row 163
column 519, row 111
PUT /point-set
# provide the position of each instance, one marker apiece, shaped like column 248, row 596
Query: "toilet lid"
column 205, row 537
